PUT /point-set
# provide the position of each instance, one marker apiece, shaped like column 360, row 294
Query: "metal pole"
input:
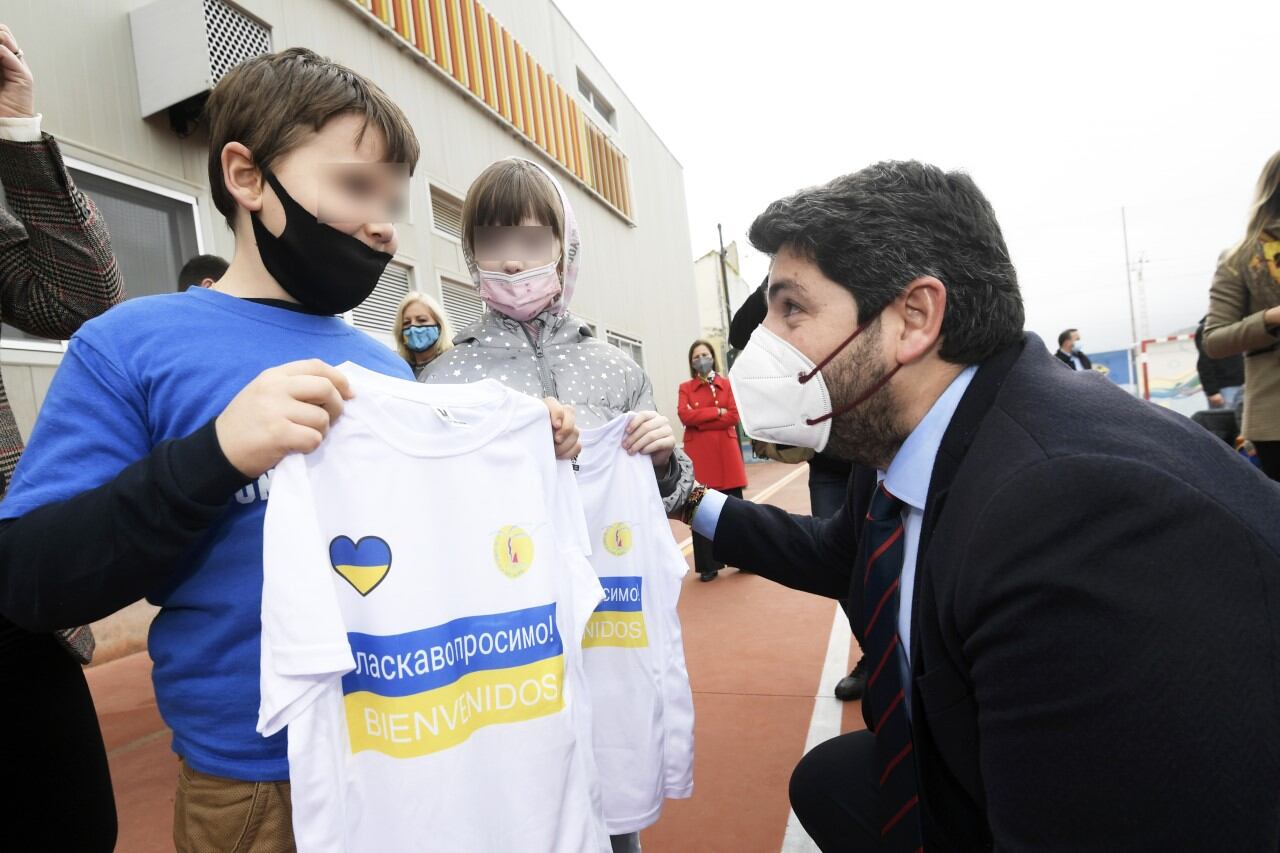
column 1133, row 320
column 724, row 285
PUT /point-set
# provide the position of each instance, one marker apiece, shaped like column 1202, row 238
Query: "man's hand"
column 564, row 426
column 17, row 87
column 286, row 409
column 1216, row 401
column 650, row 433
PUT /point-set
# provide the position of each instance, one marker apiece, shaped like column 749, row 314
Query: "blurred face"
column 815, row 315
column 699, row 351
column 343, row 181
column 417, row 314
column 513, row 249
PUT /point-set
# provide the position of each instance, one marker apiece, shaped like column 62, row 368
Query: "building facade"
column 712, row 288
column 119, row 81
column 478, row 81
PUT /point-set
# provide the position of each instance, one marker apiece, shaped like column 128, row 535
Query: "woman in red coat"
column 710, row 419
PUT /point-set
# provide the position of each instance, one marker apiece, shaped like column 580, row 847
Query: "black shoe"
column 853, row 685
column 708, row 576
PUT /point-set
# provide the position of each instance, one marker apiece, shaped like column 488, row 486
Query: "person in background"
column 1221, row 379
column 710, row 419
column 1244, row 316
column 56, row 272
column 1069, row 352
column 202, row 271
column 828, row 474
column 425, row 332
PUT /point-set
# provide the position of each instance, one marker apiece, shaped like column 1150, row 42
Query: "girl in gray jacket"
column 521, row 244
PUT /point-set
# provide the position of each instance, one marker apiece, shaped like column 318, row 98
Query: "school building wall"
column 636, row 281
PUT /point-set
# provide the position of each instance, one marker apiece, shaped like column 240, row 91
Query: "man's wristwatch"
column 691, row 505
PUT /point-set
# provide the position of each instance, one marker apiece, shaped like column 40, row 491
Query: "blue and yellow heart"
column 362, row 564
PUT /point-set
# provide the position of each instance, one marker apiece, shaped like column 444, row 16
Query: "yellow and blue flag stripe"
column 619, row 619
column 424, row 691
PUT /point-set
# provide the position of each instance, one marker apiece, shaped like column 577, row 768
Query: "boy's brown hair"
column 272, row 102
column 506, row 193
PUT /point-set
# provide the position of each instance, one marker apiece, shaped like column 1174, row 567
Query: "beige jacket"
column 1239, row 297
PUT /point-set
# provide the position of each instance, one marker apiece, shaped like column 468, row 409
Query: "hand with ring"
column 17, row 87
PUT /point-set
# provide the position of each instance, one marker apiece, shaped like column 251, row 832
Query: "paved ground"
column 756, row 654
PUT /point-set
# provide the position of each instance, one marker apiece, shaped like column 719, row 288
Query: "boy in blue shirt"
column 150, row 464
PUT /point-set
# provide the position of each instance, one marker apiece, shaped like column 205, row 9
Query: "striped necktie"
column 883, row 548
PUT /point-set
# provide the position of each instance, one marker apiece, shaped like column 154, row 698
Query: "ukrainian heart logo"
column 513, row 551
column 617, row 538
column 362, row 564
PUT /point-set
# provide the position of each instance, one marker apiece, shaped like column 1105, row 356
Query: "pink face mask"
column 523, row 295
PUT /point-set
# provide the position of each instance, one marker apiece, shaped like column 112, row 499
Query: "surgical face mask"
column 703, row 364
column 781, row 394
column 421, row 338
column 325, row 270
column 523, row 295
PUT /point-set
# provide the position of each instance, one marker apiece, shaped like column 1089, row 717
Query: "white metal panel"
column 170, row 53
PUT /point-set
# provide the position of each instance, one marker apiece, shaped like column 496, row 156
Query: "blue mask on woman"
column 421, row 338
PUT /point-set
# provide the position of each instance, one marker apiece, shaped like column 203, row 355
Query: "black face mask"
column 327, row 271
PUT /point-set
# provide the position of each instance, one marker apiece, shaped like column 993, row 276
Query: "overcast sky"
column 1062, row 117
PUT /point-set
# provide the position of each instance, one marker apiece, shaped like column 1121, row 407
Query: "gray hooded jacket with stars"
column 558, row 357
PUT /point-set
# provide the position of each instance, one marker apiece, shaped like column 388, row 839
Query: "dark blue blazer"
column 1095, row 641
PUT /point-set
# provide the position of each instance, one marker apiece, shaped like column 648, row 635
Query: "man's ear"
column 921, row 306
column 241, row 176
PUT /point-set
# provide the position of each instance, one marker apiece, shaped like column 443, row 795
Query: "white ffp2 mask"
column 782, row 396
column 775, row 405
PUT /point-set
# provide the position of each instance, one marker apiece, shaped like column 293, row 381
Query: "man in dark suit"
column 1069, row 352
column 1098, row 673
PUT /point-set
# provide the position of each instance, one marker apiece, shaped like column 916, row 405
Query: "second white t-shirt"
column 641, row 702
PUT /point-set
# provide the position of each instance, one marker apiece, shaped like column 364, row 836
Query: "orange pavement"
column 755, row 652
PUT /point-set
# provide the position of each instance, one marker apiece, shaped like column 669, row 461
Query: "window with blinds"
column 446, row 213
column 630, row 346
column 461, row 302
column 377, row 314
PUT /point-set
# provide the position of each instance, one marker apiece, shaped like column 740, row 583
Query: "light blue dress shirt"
column 907, row 478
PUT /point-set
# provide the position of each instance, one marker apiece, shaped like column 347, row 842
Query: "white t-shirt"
column 640, row 698
column 425, row 591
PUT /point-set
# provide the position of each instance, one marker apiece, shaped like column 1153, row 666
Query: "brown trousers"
column 216, row 815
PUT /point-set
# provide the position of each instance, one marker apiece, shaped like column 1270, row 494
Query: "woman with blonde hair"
column 424, row 333
column 1244, row 316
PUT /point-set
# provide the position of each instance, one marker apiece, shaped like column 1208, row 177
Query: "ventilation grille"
column 462, row 303
column 233, row 37
column 446, row 213
column 377, row 314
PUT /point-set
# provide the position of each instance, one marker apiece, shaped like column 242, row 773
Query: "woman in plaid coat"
column 56, row 271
